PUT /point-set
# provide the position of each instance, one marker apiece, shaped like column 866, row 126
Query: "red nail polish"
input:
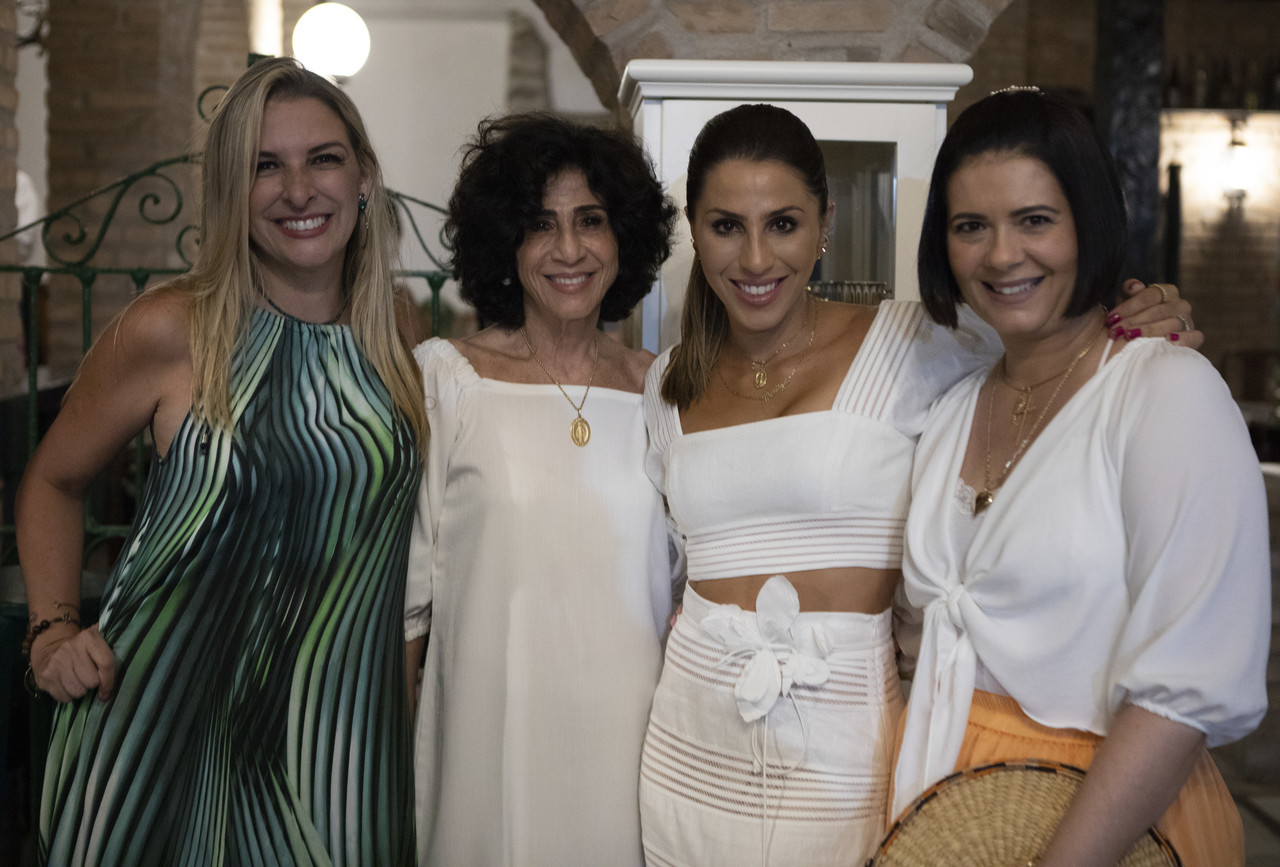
column 1132, row 333
column 1117, row 333
column 1113, row 318
column 1175, row 336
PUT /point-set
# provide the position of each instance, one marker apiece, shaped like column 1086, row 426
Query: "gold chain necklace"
column 579, row 430
column 987, row 495
column 761, row 378
column 780, row 387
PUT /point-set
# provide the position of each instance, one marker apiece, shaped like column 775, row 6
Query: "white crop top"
column 814, row 490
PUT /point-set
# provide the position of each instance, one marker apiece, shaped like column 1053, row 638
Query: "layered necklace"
column 761, row 377
column 579, row 430
column 987, row 495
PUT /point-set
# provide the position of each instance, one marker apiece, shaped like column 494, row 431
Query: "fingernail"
column 1175, row 336
column 1132, row 333
column 1117, row 333
column 1113, row 318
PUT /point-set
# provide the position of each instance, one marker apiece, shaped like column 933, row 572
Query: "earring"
column 362, row 202
column 506, row 281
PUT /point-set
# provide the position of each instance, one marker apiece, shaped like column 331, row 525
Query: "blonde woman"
column 241, row 699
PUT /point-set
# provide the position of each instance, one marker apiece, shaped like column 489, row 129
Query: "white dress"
column 1124, row 560
column 542, row 570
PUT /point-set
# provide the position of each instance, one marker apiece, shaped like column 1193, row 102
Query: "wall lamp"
column 1237, row 167
column 331, row 39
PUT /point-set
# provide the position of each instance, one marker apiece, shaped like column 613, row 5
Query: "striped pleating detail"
column 731, row 783
column 259, row 713
column 782, row 545
column 869, row 387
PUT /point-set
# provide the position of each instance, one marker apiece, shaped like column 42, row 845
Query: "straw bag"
column 999, row 815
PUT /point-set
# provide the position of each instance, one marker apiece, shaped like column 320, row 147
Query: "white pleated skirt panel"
column 803, row 785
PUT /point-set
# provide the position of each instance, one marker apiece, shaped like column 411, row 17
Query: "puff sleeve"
column 1195, row 644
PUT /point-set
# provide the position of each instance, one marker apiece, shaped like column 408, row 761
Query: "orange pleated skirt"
column 1203, row 824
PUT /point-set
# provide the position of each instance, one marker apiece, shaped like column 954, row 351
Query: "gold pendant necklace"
column 761, row 378
column 987, row 495
column 579, row 430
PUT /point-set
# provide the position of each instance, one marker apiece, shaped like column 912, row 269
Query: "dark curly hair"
column 504, row 174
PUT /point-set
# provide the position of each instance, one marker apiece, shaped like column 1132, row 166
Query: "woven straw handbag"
column 999, row 815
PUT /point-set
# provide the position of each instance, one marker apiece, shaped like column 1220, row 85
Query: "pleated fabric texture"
column 259, row 713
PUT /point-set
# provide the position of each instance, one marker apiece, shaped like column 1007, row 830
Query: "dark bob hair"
column 504, row 174
column 1051, row 130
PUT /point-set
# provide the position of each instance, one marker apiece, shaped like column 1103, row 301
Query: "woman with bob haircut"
column 1090, row 557
column 782, row 431
column 241, row 699
column 540, row 566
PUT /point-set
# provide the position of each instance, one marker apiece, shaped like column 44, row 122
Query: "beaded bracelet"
column 34, row 627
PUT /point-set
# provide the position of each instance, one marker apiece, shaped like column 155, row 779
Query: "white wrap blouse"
column 1124, row 560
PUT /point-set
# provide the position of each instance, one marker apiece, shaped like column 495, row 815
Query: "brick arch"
column 604, row 35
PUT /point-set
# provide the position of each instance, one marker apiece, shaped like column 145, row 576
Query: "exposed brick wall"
column 605, row 34
column 223, row 45
column 1230, row 256
column 121, row 96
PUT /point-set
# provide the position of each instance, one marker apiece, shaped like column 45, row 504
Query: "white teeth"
column 757, row 290
column 569, row 281
column 1016, row 288
column 303, row 225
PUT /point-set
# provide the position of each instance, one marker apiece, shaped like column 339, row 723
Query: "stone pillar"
column 1127, row 87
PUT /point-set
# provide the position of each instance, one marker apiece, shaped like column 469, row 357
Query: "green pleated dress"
column 256, row 612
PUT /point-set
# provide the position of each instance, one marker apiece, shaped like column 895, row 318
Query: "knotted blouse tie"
column 940, row 695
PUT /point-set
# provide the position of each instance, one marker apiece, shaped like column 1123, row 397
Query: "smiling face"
column 569, row 256
column 758, row 231
column 303, row 205
column 1011, row 243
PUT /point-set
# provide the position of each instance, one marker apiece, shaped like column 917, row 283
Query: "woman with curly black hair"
column 540, row 564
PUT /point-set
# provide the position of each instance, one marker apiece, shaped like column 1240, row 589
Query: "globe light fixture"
column 331, row 39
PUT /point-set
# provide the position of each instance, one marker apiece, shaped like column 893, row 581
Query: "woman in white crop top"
column 781, row 434
column 1090, row 554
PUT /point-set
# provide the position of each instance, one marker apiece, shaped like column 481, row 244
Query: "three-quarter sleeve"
column 441, row 392
column 1195, row 644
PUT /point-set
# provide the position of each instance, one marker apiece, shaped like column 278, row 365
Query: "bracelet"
column 29, row 681
column 34, row 627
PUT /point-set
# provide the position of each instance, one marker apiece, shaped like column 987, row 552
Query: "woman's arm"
column 1135, row 776
column 139, row 365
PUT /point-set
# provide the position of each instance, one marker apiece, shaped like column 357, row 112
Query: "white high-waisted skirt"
column 770, row 736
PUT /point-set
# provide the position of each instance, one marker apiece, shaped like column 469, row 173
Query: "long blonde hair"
column 222, row 283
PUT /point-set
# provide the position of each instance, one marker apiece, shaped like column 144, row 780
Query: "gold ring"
column 1186, row 326
column 1164, row 296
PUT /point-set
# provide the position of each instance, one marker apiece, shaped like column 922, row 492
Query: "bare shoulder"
column 491, row 352
column 154, row 327
column 633, row 364
column 845, row 325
